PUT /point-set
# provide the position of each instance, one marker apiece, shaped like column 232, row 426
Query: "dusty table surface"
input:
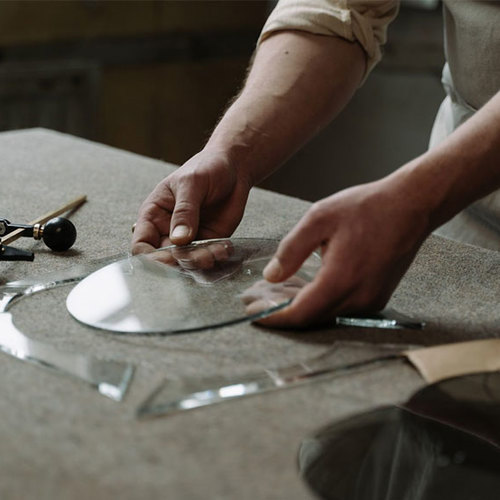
column 62, row 439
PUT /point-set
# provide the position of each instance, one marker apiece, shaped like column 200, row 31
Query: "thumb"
column 185, row 216
column 292, row 251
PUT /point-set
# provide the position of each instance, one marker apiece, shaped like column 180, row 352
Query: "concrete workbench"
column 61, row 439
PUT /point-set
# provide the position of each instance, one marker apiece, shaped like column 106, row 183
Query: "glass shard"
column 345, row 357
column 387, row 319
column 111, row 378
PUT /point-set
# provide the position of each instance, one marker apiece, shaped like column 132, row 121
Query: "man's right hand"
column 203, row 199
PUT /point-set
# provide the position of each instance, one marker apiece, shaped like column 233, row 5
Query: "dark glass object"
column 443, row 444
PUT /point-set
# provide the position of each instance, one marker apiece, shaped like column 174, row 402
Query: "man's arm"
column 460, row 170
column 370, row 234
column 298, row 82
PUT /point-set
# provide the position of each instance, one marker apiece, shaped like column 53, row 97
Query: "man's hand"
column 368, row 235
column 205, row 198
column 297, row 84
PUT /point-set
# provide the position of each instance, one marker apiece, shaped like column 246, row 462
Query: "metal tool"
column 58, row 233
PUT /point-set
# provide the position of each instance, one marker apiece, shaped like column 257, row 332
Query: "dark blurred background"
column 153, row 77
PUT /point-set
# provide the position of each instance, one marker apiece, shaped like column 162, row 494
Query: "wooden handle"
column 46, row 217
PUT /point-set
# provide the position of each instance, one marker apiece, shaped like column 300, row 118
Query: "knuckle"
column 163, row 189
column 317, row 216
column 151, row 212
column 183, row 208
column 161, row 197
column 183, row 205
column 283, row 247
column 316, row 212
column 189, row 177
column 146, row 209
column 189, row 188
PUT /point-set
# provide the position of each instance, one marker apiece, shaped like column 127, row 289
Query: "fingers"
column 146, row 237
column 174, row 207
column 203, row 256
column 153, row 221
column 142, row 247
column 185, row 216
column 315, row 303
column 265, row 294
column 340, row 287
column 170, row 213
column 311, row 299
column 294, row 249
column 312, row 302
column 164, row 256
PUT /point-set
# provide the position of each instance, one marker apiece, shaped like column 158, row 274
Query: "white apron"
column 478, row 224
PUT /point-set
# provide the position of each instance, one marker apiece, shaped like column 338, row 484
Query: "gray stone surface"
column 60, row 439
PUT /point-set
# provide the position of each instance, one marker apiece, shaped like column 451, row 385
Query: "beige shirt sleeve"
column 364, row 21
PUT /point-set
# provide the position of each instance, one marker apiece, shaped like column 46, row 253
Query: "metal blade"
column 388, row 319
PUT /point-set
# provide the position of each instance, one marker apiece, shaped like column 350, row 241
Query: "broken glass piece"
column 209, row 263
column 111, row 378
column 173, row 396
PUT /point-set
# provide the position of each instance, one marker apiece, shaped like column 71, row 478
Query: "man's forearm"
column 459, row 171
column 297, row 84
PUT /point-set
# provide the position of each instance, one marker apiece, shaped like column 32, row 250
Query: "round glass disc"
column 175, row 289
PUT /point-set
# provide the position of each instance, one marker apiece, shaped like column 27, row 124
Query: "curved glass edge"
column 79, row 271
column 110, row 377
column 241, row 245
column 53, row 279
column 14, row 290
column 195, row 329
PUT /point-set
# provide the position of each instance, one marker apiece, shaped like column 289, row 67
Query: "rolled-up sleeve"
column 363, row 21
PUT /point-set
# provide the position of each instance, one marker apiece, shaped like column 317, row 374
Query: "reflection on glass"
column 177, row 289
column 111, row 378
column 388, row 319
column 345, row 357
column 442, row 444
column 57, row 278
column 203, row 285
